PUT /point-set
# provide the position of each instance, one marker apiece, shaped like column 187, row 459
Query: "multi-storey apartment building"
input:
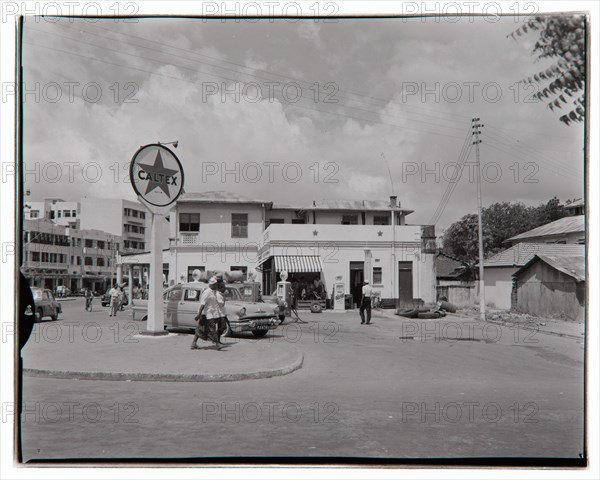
column 56, row 255
column 119, row 217
column 351, row 241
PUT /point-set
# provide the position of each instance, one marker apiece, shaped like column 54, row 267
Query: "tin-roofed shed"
column 551, row 285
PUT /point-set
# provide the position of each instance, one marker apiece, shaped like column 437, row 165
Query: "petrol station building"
column 349, row 241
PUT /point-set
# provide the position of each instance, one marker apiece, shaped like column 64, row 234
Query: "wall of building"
column 498, row 286
column 215, row 222
column 544, row 291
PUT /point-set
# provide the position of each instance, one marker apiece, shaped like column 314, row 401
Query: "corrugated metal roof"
column 352, row 205
column 521, row 253
column 564, row 225
column 219, row 196
column 446, row 266
column 571, row 265
column 576, row 203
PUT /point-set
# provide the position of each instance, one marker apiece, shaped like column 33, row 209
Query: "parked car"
column 247, row 291
column 105, row 299
column 45, row 304
column 62, row 291
column 181, row 306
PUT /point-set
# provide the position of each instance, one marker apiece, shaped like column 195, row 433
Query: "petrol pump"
column 284, row 291
column 339, row 295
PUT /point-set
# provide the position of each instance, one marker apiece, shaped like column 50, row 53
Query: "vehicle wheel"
column 259, row 333
column 429, row 315
column 227, row 331
column 282, row 317
column 39, row 315
column 316, row 307
column 55, row 317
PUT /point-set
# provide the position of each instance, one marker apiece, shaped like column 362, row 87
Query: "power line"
column 294, row 105
column 235, row 80
column 385, row 101
column 462, row 157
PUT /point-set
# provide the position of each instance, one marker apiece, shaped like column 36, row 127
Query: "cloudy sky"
column 321, row 108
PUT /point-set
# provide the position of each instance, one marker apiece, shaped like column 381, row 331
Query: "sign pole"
column 156, row 314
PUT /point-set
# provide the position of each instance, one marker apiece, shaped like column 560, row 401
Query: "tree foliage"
column 500, row 221
column 561, row 38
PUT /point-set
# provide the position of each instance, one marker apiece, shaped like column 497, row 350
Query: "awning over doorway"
column 298, row 263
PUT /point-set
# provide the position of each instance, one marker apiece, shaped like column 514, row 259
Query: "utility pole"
column 476, row 126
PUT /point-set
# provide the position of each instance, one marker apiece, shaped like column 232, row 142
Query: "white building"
column 355, row 240
column 118, row 217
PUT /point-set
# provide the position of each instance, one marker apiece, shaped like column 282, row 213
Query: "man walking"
column 209, row 315
column 115, row 296
column 367, row 293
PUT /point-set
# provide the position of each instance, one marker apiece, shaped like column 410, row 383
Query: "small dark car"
column 45, row 304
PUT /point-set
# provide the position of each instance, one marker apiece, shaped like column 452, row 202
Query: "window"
column 52, row 214
column 89, row 261
column 59, row 213
column 101, row 244
column 191, row 295
column 34, row 213
column 78, row 260
column 35, row 256
column 45, row 257
column 141, row 245
column 143, row 215
column 239, row 225
column 73, row 213
column 89, row 243
column 276, row 220
column 189, row 222
column 67, row 213
column 298, row 221
column 349, row 219
column 191, row 269
column 381, row 220
column 100, row 262
column 174, row 295
column 581, row 241
column 377, row 275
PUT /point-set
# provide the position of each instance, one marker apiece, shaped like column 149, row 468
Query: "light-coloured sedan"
column 181, row 306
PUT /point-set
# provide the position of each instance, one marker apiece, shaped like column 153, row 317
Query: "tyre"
column 259, row 333
column 227, row 331
column 449, row 307
column 408, row 313
column 282, row 317
column 39, row 315
column 316, row 307
column 54, row 317
column 429, row 315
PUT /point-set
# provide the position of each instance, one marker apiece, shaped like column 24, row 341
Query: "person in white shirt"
column 367, row 293
column 115, row 295
column 209, row 317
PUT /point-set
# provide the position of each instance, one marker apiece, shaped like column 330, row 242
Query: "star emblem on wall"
column 158, row 175
column 315, row 233
column 380, row 233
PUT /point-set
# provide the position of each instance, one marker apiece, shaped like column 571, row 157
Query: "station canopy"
column 298, row 263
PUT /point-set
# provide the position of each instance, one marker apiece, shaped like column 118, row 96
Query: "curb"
column 296, row 364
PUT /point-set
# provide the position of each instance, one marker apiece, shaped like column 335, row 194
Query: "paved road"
column 394, row 389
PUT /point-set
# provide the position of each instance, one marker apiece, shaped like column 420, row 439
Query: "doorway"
column 357, row 276
column 405, row 284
